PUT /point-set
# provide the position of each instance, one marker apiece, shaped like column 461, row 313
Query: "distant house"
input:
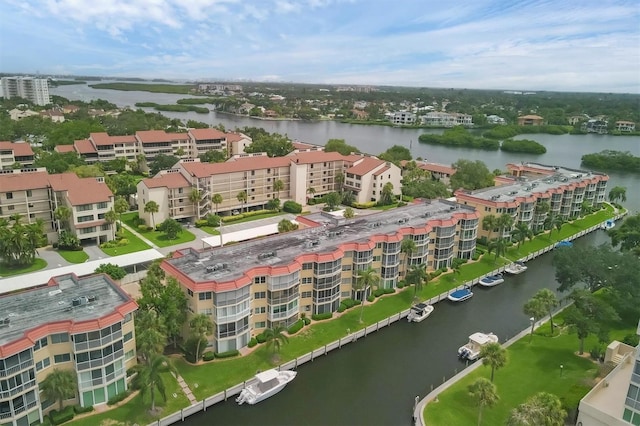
column 625, row 126
column 439, row 172
column 360, row 114
column 446, row 119
column 18, row 114
column 530, row 120
column 15, row 152
column 596, row 125
column 494, row 119
column 53, row 115
column 578, row 118
column 403, row 117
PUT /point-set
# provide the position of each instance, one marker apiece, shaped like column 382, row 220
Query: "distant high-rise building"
column 33, row 89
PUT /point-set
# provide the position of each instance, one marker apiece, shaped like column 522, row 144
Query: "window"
column 189, row 292
column 86, row 218
column 128, row 336
column 127, row 318
column 59, row 338
column 260, row 310
column 102, row 205
column 260, row 295
column 307, row 280
column 29, row 193
column 206, row 295
column 41, row 344
column 260, row 280
column 307, row 266
column 62, row 358
column 84, row 207
column 261, row 324
column 9, row 195
column 306, row 294
column 43, row 364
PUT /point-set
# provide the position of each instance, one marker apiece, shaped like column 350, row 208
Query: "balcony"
column 97, row 343
column 17, row 390
column 85, row 365
column 13, row 370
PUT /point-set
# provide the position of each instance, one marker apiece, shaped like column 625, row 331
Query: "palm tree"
column 541, row 409
column 484, row 394
column 311, row 191
column 278, row 186
column 417, row 276
column 536, row 310
column 200, row 326
column 149, row 378
column 151, row 336
column 242, row 198
column 489, row 223
column 110, row 217
column 59, row 385
column 549, row 300
column 120, row 206
column 339, row 180
column 386, row 196
column 216, row 199
column 540, row 210
column 195, row 196
column 275, row 337
column 494, row 356
column 504, row 222
column 521, row 232
column 618, row 193
column 499, row 245
column 456, row 264
column 408, row 246
column 62, row 214
column 366, row 279
column 152, row 207
column 554, row 221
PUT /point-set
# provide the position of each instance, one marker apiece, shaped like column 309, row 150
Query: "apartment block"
column 34, row 194
column 402, row 117
column 12, row 153
column 563, row 189
column 625, row 126
column 445, row 119
column 256, row 175
column 80, row 324
column 35, row 90
column 247, row 287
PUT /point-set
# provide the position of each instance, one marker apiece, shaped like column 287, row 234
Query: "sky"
column 564, row 45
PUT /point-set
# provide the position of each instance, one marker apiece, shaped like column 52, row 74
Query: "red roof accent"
column 200, row 170
column 311, row 157
column 20, row 149
column 23, row 181
column 381, row 171
column 80, row 191
column 167, row 180
column 154, row 136
column 102, row 139
column 365, row 166
column 64, row 148
column 204, row 134
column 437, row 168
column 84, row 146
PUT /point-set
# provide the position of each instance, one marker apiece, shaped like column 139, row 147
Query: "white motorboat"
column 264, row 385
column 608, row 224
column 461, row 295
column 471, row 350
column 515, row 268
column 419, row 312
column 491, row 280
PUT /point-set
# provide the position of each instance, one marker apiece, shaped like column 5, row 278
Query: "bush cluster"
column 118, row 242
column 292, row 207
column 295, row 327
column 208, row 356
column 379, row 292
column 80, row 410
column 320, row 317
column 260, row 338
column 252, row 342
column 64, row 415
column 227, row 354
column 226, row 219
column 366, row 205
column 119, row 397
column 307, row 321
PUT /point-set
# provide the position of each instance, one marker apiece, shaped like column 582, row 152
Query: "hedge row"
column 227, row 354
column 366, row 205
column 226, row 219
column 117, row 398
column 64, row 415
column 295, row 327
column 320, row 317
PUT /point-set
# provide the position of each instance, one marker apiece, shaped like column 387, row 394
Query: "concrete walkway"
column 134, row 232
column 52, row 257
column 185, row 388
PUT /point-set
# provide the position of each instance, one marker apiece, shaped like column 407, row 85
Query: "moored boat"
column 608, row 224
column 491, row 280
column 264, row 385
column 515, row 268
column 471, row 350
column 461, row 295
column 419, row 312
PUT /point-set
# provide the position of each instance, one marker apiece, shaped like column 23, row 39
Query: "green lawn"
column 135, row 411
column 135, row 244
column 211, row 230
column 533, row 366
column 157, row 237
column 71, row 256
column 7, row 271
column 387, row 207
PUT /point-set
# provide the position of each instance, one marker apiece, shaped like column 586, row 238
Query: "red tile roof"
column 150, row 136
column 80, row 191
column 315, row 157
column 234, row 137
column 102, row 138
column 304, row 145
column 20, row 149
column 167, row 180
column 64, row 148
column 366, row 165
column 204, row 134
column 238, row 165
column 84, row 146
column 23, row 181
column 381, row 171
column 437, row 168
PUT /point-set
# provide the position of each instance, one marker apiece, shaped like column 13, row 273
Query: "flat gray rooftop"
column 32, row 308
column 530, row 183
column 228, row 263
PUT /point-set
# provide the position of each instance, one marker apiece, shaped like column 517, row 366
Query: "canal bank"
column 226, row 405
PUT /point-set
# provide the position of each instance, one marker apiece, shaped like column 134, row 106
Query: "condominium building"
column 32, row 89
column 80, row 324
column 34, row 194
column 149, row 143
column 445, row 119
column 625, row 126
column 12, row 153
column 402, row 117
column 248, row 287
column 302, row 174
column 564, row 190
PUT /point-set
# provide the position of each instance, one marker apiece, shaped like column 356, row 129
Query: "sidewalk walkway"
column 134, row 232
column 185, row 388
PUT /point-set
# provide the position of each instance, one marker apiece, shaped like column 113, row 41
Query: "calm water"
column 375, row 381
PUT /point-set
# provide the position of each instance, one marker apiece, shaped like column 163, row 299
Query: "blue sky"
column 511, row 44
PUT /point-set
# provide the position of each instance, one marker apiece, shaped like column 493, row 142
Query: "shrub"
column 190, row 347
column 631, row 340
column 295, row 327
column 292, row 207
column 227, row 354
column 201, row 222
column 595, row 352
column 306, row 320
column 59, row 417
column 379, row 292
column 252, row 342
column 476, row 256
column 320, row 317
column 114, row 271
column 119, row 397
column 349, row 303
column 226, row 219
column 401, row 204
column 371, row 298
column 208, row 356
column 212, row 220
column 435, row 274
column 122, row 242
column 137, row 221
column 142, row 228
column 401, row 284
column 483, row 241
column 79, row 410
column 407, row 199
column 341, row 308
column 260, row 338
column 366, row 205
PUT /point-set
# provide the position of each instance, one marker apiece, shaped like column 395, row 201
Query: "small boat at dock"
column 419, row 312
column 471, row 350
column 461, row 295
column 515, row 268
column 264, row 385
column 491, row 280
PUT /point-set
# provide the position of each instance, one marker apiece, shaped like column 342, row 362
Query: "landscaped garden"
column 133, row 244
column 159, row 238
column 7, row 271
column 534, row 365
column 74, row 256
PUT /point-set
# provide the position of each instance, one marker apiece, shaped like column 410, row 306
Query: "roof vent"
column 54, row 292
column 4, row 322
column 75, row 301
